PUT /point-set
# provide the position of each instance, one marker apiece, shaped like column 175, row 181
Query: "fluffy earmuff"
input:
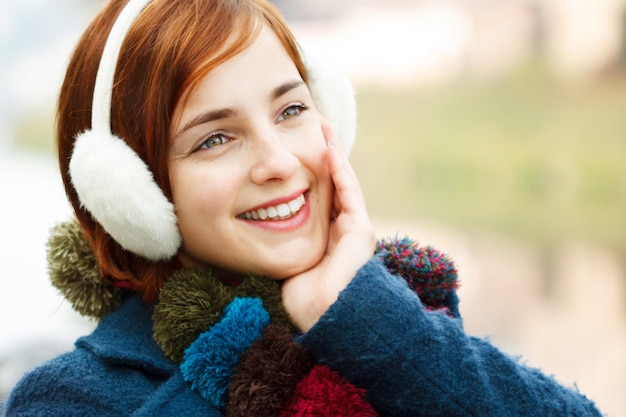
column 115, row 185
column 333, row 96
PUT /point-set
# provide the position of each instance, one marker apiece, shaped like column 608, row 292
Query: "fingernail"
column 330, row 142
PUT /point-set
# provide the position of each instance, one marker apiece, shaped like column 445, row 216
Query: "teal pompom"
column 190, row 302
column 210, row 360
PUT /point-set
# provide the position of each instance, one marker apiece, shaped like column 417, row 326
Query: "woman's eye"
column 292, row 111
column 214, row 141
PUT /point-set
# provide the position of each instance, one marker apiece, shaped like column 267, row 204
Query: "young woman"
column 223, row 243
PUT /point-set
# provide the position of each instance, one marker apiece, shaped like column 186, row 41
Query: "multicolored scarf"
column 234, row 342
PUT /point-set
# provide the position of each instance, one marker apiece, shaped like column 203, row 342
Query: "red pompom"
column 324, row 393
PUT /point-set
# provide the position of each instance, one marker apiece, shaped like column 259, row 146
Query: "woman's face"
column 249, row 181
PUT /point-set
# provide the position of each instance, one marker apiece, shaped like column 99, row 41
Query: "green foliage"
column 526, row 156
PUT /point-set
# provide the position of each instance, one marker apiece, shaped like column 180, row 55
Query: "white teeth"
column 294, row 206
column 282, row 211
column 272, row 212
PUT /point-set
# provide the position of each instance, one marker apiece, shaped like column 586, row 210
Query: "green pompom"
column 267, row 290
column 190, row 302
column 74, row 272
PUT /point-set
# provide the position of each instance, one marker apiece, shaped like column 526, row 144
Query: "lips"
column 276, row 212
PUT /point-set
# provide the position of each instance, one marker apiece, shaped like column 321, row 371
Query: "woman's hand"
column 351, row 244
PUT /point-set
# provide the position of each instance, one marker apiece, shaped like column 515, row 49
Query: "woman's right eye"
column 213, row 141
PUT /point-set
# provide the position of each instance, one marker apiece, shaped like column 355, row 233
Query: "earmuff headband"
column 112, row 182
column 102, row 94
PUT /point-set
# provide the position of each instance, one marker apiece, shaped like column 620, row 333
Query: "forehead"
column 262, row 66
column 247, row 78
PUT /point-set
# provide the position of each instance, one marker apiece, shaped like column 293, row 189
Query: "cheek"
column 314, row 156
column 198, row 193
column 181, row 184
column 314, row 160
column 313, row 147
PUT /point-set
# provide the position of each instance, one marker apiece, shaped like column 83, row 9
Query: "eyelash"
column 300, row 108
column 215, row 135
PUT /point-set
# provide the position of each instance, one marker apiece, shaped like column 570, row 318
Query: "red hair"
column 171, row 46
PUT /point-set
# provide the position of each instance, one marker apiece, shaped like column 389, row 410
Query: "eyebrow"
column 285, row 88
column 227, row 113
column 206, row 118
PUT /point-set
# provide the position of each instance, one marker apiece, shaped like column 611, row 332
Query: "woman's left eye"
column 292, row 111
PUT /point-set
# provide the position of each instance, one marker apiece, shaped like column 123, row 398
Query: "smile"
column 278, row 212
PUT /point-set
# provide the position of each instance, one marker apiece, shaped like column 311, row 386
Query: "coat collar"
column 124, row 337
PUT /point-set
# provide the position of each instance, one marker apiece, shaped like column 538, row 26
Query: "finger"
column 347, row 188
column 333, row 141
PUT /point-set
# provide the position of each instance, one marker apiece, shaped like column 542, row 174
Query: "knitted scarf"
column 234, row 342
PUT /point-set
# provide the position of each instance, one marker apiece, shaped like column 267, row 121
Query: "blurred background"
column 494, row 130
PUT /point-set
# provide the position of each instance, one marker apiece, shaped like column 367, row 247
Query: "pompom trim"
column 211, row 359
column 74, row 272
column 267, row 374
column 323, row 392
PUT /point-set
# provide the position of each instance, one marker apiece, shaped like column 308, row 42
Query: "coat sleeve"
column 415, row 362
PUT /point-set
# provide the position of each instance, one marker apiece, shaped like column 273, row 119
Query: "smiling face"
column 249, row 180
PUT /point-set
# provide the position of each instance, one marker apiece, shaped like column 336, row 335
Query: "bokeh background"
column 494, row 130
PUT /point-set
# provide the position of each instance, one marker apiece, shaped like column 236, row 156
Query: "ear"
column 333, row 96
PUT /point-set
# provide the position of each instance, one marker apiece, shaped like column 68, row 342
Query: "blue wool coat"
column 378, row 335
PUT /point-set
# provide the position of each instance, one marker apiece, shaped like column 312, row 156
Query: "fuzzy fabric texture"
column 190, row 295
column 119, row 191
column 192, row 301
column 193, row 307
column 333, row 96
column 192, row 311
column 431, row 366
column 267, row 375
column 112, row 182
column 430, row 273
column 233, row 366
column 210, row 360
column 323, row 393
column 118, row 370
column 378, row 336
column 73, row 270
column 189, row 303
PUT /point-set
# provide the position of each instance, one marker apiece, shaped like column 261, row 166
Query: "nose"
column 272, row 159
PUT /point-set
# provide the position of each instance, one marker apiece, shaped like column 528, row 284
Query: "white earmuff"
column 111, row 181
column 115, row 185
column 333, row 96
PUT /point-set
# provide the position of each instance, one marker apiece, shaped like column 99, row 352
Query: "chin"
column 288, row 270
